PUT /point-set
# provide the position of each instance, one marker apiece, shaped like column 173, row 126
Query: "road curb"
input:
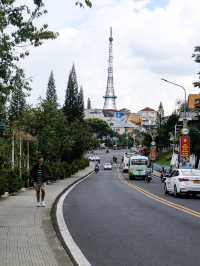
column 55, row 221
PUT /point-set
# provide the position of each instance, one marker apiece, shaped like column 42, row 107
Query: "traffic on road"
column 116, row 221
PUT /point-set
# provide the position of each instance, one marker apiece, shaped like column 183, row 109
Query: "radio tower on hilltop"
column 109, row 104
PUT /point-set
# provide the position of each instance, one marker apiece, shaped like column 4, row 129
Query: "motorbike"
column 162, row 177
column 148, row 177
column 96, row 169
column 164, row 173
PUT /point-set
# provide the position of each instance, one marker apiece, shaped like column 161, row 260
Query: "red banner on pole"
column 153, row 153
column 185, row 147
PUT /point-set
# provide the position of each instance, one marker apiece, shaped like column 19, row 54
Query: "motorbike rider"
column 96, row 167
column 162, row 174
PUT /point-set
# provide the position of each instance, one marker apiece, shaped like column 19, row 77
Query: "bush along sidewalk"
column 11, row 182
column 61, row 170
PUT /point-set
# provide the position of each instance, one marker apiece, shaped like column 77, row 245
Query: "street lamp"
column 175, row 84
column 184, row 147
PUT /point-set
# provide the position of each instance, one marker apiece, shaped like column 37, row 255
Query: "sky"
column 153, row 39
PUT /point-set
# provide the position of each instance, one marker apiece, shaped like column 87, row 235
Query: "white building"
column 94, row 113
column 121, row 126
column 149, row 117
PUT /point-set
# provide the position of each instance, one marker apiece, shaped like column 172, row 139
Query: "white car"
column 183, row 181
column 96, row 158
column 93, row 158
column 107, row 166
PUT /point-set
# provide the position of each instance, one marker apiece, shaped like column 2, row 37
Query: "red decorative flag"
column 185, row 147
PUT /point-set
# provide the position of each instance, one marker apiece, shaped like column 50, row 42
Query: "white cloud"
column 148, row 45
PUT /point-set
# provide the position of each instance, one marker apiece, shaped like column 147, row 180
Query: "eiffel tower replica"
column 109, row 107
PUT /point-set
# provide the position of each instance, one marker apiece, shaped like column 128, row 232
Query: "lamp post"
column 175, row 84
column 184, row 146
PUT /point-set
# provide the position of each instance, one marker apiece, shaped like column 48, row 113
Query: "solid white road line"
column 76, row 253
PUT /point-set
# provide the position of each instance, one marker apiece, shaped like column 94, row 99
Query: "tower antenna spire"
column 109, row 103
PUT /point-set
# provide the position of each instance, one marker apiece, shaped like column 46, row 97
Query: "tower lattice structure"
column 109, row 102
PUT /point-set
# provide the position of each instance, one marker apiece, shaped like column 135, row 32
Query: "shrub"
column 13, row 180
column 25, row 181
column 60, row 170
column 3, row 184
column 83, row 163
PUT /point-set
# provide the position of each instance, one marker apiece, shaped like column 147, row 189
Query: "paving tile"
column 24, row 229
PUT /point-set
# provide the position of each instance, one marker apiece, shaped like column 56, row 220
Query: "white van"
column 125, row 160
column 138, row 166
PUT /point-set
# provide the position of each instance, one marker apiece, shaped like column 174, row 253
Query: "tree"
column 99, row 127
column 80, row 140
column 18, row 33
column 18, row 101
column 89, row 104
column 196, row 56
column 147, row 140
column 163, row 133
column 81, row 104
column 71, row 105
column 81, row 3
column 51, row 90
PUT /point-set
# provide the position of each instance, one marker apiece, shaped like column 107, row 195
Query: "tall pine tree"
column 18, row 97
column 81, row 104
column 51, row 90
column 71, row 105
column 89, row 104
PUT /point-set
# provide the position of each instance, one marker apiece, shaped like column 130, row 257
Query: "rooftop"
column 147, row 109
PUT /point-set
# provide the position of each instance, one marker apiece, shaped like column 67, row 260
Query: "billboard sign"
column 185, row 147
column 120, row 115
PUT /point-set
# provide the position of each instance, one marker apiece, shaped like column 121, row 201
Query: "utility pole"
column 13, row 150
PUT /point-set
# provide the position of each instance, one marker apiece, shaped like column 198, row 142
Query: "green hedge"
column 3, row 185
column 11, row 182
column 61, row 170
column 14, row 181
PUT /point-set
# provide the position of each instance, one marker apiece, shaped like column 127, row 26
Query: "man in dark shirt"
column 39, row 175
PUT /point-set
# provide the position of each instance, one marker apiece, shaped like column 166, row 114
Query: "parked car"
column 107, row 166
column 91, row 158
column 183, row 181
column 94, row 158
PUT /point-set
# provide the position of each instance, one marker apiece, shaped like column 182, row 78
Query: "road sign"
column 185, row 131
column 153, row 143
column 185, row 147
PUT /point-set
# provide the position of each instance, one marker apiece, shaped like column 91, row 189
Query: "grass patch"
column 164, row 159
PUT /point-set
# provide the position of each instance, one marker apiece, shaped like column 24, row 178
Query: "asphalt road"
column 116, row 225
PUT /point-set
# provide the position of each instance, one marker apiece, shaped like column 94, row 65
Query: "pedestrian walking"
column 39, row 176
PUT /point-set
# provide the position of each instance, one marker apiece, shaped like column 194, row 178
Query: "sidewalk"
column 27, row 237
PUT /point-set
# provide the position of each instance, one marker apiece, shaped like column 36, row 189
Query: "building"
column 193, row 100
column 121, row 127
column 149, row 117
column 160, row 115
column 94, row 113
column 135, row 118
